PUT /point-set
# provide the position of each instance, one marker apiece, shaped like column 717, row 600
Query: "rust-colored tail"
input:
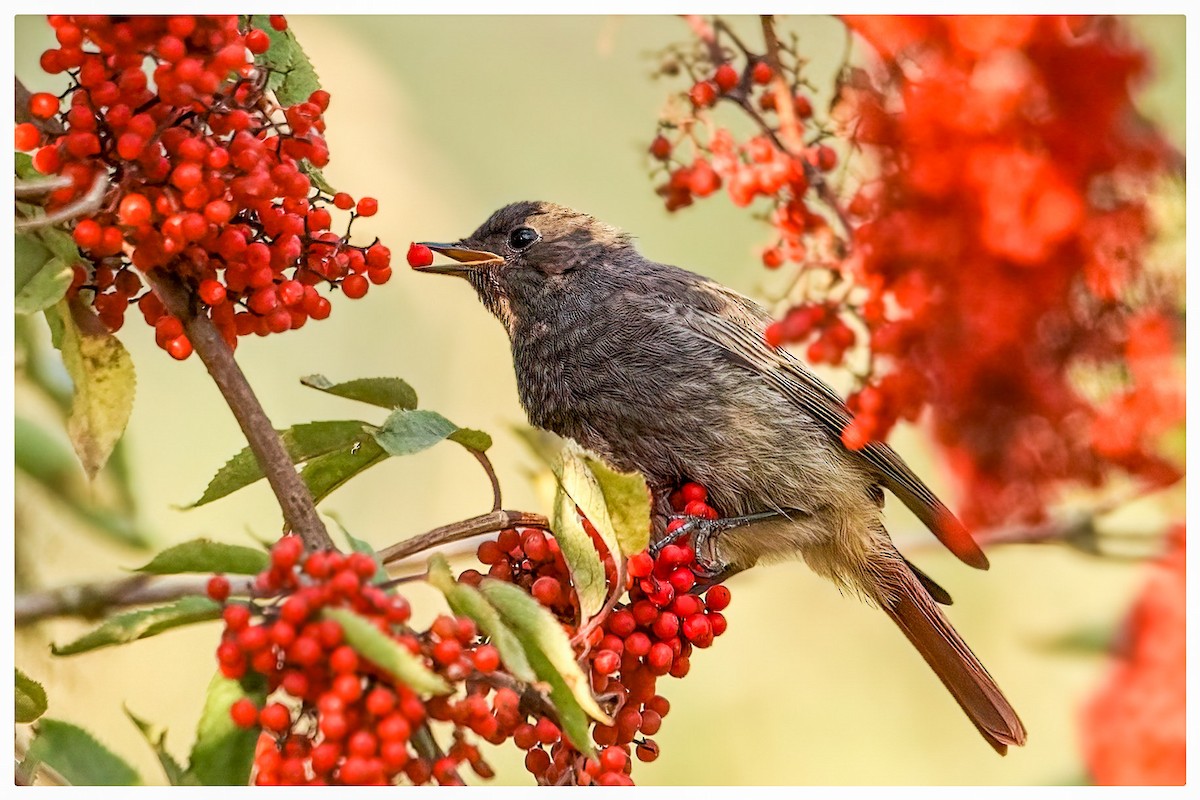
column 915, row 612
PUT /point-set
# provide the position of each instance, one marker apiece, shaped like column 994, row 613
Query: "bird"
column 662, row 371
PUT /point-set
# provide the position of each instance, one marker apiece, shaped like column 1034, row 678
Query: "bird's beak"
column 468, row 260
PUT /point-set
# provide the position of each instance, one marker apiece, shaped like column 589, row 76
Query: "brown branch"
column 455, row 531
column 299, row 513
column 91, row 600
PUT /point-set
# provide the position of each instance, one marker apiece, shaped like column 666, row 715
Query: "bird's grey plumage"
column 662, row 371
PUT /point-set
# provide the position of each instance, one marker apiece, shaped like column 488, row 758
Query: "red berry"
column 355, row 286
column 717, row 598
column 762, row 72
column 419, row 255
column 640, row 565
column 134, row 210
column 43, row 105
column 275, row 717
column 211, row 292
column 703, row 94
column 244, row 712
column 27, row 137
column 367, row 207
column 258, row 42
column 278, row 22
column 218, row 588
column 660, row 148
column 726, row 78
column 486, row 658
column 87, row 234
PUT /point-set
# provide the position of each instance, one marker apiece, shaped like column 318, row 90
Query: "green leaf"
column 104, row 383
column 471, row 439
column 76, row 755
column 389, row 393
column 361, row 546
column 40, row 279
column 571, row 716
column 579, row 487
column 551, row 656
column 24, row 166
column 628, row 501
column 43, row 456
column 303, row 443
column 467, row 601
column 48, row 460
column 293, row 78
column 325, row 474
column 31, row 698
column 134, row 625
column 578, row 550
column 316, row 177
column 205, row 555
column 223, row 753
column 156, row 737
column 386, row 653
column 410, row 431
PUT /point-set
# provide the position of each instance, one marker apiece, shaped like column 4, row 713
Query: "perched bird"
column 665, row 372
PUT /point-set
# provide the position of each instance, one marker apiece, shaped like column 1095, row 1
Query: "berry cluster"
column 760, row 166
column 650, row 634
column 201, row 171
column 333, row 717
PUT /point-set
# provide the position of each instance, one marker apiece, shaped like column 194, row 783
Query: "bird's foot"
column 705, row 536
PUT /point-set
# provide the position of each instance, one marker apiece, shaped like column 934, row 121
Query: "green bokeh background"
column 444, row 119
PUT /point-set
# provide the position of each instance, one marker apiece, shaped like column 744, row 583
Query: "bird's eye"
column 521, row 238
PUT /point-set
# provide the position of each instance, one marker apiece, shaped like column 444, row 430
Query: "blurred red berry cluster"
column 199, row 171
column 1134, row 727
column 983, row 254
column 1002, row 248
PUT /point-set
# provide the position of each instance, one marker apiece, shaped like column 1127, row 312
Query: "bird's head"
column 530, row 252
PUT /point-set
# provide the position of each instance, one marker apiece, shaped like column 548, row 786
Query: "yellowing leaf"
column 104, row 381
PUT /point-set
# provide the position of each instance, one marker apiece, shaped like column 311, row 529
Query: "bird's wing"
column 737, row 324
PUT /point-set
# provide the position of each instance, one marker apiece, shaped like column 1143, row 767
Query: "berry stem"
column 486, row 463
column 484, row 523
column 299, row 513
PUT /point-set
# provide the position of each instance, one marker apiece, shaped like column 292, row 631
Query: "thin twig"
column 91, row 600
column 486, row 463
column 484, row 523
column 299, row 513
column 82, row 207
column 789, row 124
